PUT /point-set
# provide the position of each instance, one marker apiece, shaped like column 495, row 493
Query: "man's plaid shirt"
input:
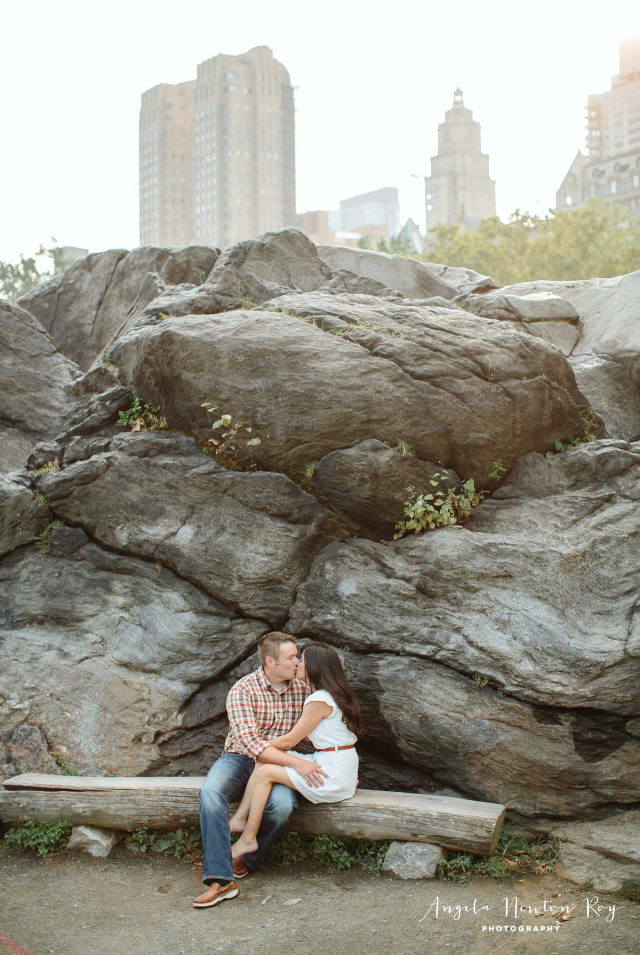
column 257, row 713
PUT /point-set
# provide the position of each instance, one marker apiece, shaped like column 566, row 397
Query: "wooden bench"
column 169, row 802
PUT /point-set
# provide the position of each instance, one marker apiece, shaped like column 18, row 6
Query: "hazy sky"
column 373, row 80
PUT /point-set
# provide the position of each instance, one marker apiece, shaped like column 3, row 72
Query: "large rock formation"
column 498, row 659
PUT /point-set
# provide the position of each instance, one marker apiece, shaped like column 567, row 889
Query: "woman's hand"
column 311, row 772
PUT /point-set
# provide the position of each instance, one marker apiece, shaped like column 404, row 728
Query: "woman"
column 331, row 720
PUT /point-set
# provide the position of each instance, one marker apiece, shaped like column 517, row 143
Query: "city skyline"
column 371, row 89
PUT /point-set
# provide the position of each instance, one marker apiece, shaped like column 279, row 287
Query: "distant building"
column 376, row 214
column 66, row 255
column 459, row 190
column 611, row 170
column 217, row 154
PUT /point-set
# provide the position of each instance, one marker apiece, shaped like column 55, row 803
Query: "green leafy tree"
column 595, row 240
column 18, row 279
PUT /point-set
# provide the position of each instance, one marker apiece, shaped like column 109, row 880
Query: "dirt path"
column 74, row 905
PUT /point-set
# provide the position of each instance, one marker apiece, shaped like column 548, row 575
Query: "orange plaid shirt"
column 257, row 713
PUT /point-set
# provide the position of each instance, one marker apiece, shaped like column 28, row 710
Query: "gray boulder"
column 608, row 310
column 464, row 280
column 36, row 397
column 246, row 275
column 247, row 539
column 97, row 842
column 611, row 386
column 104, row 651
column 560, row 334
column 604, row 852
column 21, row 517
column 412, row 278
column 462, row 390
column 536, row 595
column 505, row 305
column 28, row 752
column 369, row 482
column 99, row 297
column 551, row 761
column 413, row 860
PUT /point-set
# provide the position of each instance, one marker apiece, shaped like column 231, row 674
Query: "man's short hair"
column 269, row 645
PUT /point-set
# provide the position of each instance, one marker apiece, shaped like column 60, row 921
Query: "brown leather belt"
column 332, row 749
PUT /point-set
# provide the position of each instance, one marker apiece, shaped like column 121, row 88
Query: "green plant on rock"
column 497, row 469
column 141, row 416
column 513, row 856
column 438, row 509
column 51, row 467
column 234, row 443
column 46, row 839
column 403, row 447
column 43, row 540
column 41, row 498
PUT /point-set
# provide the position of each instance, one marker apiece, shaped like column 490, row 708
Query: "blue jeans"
column 226, row 783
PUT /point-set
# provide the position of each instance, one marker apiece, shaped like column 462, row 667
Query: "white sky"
column 373, row 80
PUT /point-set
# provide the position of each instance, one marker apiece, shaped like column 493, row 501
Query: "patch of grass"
column 512, row 856
column 43, row 540
column 630, row 890
column 41, row 498
column 51, row 467
column 180, row 843
column 330, row 852
column 47, row 839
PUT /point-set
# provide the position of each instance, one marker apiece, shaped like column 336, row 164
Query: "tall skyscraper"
column 459, row 190
column 217, row 154
column 611, row 170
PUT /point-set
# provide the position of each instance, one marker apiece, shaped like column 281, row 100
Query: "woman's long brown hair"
column 324, row 672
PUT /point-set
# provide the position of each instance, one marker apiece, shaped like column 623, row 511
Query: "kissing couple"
column 287, row 700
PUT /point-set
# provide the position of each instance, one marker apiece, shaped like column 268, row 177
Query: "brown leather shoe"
column 240, row 868
column 215, row 894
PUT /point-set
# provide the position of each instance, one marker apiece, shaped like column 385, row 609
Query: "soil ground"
column 74, row 905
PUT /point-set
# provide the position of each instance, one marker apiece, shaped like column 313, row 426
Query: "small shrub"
column 233, row 445
column 141, row 417
column 331, row 852
column 43, row 540
column 497, row 469
column 403, row 447
column 444, row 506
column 512, row 856
column 41, row 498
column 47, row 839
column 181, row 843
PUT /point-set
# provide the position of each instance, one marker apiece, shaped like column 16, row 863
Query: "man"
column 262, row 705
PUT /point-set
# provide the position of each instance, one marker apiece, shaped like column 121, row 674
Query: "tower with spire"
column 459, row 190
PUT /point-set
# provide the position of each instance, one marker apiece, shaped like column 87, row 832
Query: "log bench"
column 169, row 802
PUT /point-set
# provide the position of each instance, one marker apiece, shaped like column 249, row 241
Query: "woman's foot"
column 242, row 846
column 236, row 823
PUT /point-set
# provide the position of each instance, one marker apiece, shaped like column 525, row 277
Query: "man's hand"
column 312, row 773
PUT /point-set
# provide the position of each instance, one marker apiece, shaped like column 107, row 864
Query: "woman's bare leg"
column 264, row 777
column 239, row 819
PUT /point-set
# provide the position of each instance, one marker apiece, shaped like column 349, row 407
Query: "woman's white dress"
column 341, row 766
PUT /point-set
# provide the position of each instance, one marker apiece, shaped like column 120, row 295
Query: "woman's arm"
column 312, row 715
